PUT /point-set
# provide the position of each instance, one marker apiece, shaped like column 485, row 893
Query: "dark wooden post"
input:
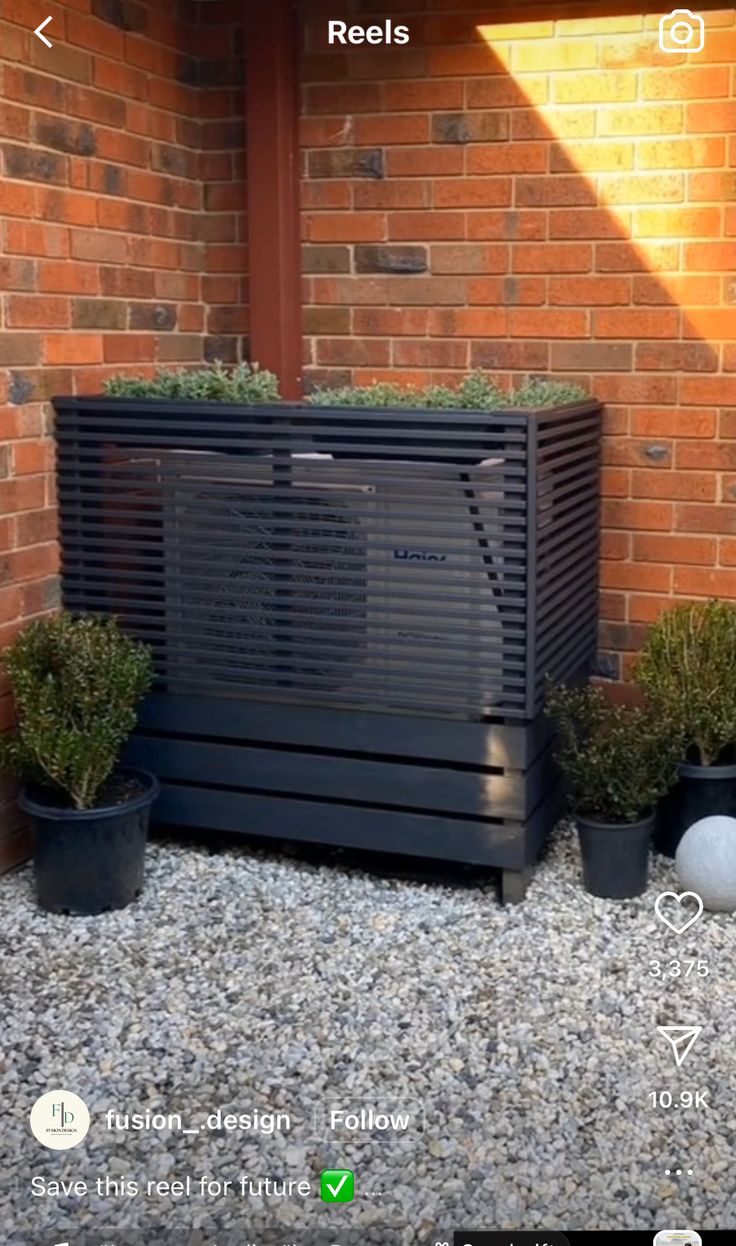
column 272, row 30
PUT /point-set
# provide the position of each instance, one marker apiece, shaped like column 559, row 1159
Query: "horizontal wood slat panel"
column 509, row 795
column 500, row 845
column 351, row 611
column 475, row 744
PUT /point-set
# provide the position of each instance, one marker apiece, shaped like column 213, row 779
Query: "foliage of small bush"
column 245, row 383
column 76, row 683
column 618, row 760
column 477, row 392
column 249, row 384
column 688, row 670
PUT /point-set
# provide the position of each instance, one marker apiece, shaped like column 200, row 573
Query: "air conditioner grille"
column 260, row 575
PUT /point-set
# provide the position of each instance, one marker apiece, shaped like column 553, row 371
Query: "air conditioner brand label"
column 419, row 555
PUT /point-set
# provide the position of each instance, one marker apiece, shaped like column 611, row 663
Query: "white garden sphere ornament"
column 706, row 862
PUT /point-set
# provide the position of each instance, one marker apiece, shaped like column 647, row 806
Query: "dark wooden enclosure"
column 352, row 611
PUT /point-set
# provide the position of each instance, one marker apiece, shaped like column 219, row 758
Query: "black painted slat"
column 500, row 845
column 351, row 731
column 435, row 790
column 509, row 642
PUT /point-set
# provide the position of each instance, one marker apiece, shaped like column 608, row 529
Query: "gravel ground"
column 243, row 979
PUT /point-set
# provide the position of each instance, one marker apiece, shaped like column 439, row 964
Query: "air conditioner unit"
column 369, row 583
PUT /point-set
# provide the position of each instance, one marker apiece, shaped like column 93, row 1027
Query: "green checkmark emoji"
column 337, row 1185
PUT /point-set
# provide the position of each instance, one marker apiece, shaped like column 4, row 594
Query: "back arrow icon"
column 38, row 30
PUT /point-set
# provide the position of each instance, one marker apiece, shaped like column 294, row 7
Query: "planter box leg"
column 513, row 885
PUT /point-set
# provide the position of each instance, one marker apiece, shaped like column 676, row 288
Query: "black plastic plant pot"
column 89, row 861
column 699, row 792
column 615, row 856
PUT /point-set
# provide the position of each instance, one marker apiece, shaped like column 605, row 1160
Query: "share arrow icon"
column 681, row 1038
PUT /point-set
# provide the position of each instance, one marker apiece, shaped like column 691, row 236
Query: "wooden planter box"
column 352, row 611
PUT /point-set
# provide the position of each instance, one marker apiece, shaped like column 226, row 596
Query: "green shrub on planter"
column 245, row 383
column 619, row 761
column 76, row 683
column 477, row 392
column 538, row 392
column 251, row 385
column 688, row 670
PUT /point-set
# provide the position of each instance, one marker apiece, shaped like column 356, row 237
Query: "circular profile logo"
column 59, row 1120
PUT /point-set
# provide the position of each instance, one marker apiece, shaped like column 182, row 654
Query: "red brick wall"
column 121, row 237
column 551, row 195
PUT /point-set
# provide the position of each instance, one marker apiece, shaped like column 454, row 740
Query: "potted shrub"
column 76, row 683
column 618, row 761
column 688, row 671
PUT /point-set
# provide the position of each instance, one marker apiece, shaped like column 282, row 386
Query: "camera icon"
column 681, row 31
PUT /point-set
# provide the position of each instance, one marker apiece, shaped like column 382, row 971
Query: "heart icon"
column 682, row 925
